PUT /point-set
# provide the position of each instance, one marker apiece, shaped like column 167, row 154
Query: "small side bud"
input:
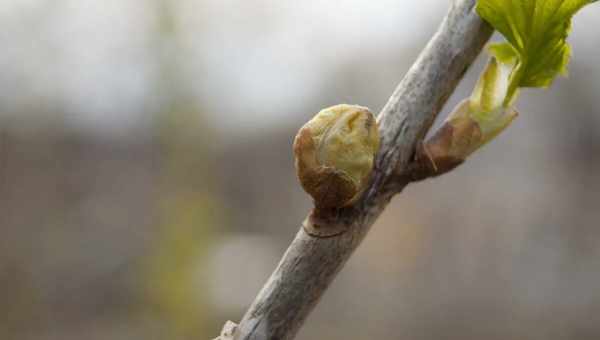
column 473, row 123
column 335, row 153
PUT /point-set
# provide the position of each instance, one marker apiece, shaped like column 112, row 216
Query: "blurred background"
column 147, row 187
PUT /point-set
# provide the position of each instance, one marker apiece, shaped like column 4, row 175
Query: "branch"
column 311, row 262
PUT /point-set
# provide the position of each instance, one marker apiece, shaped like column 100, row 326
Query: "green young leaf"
column 536, row 31
column 486, row 105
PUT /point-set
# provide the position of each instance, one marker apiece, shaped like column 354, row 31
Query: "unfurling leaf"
column 536, row 31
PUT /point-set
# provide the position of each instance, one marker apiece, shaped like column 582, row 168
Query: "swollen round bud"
column 335, row 152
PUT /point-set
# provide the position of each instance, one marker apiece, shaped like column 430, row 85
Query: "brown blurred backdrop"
column 147, row 187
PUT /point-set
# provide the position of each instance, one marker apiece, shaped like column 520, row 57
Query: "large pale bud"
column 335, row 152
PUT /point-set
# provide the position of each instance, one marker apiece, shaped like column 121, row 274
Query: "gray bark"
column 311, row 263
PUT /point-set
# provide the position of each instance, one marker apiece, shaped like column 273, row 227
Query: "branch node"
column 325, row 222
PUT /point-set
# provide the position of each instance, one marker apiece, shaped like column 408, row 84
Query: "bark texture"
column 312, row 262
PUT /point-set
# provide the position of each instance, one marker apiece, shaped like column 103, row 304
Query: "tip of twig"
column 227, row 331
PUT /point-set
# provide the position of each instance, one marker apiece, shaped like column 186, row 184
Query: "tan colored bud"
column 335, row 152
column 458, row 137
column 473, row 123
